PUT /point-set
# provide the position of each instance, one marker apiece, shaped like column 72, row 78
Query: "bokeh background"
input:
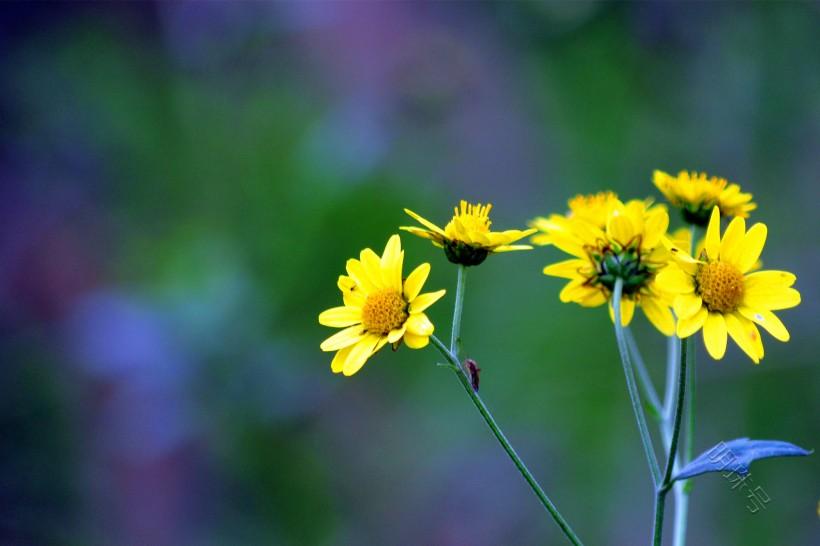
column 182, row 182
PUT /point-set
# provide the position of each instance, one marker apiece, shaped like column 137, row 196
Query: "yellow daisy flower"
column 467, row 239
column 719, row 293
column 379, row 308
column 696, row 193
column 592, row 208
column 629, row 247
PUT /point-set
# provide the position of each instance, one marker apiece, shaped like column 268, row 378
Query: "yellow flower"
column 379, row 308
column 593, row 208
column 467, row 238
column 696, row 193
column 719, row 293
column 629, row 247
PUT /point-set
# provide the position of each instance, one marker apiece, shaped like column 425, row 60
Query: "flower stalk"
column 455, row 365
column 632, row 387
column 666, row 484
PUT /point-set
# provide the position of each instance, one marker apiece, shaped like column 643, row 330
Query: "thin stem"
column 502, row 439
column 671, row 374
column 455, row 335
column 643, row 375
column 632, row 387
column 660, row 495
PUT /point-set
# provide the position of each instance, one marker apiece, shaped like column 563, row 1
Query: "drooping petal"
column 359, row 354
column 712, row 244
column 415, row 342
column 686, row 305
column 752, row 247
column 511, row 248
column 746, row 335
column 343, row 338
column 714, row 335
column 419, row 325
column 690, row 325
column 567, row 269
column 339, row 317
column 415, row 281
column 396, row 334
column 338, row 362
column 767, row 320
column 423, row 301
column 659, row 315
column 627, row 311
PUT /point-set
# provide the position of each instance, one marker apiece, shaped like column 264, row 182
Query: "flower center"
column 384, row 311
column 720, row 285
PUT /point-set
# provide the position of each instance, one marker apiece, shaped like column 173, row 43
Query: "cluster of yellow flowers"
column 717, row 289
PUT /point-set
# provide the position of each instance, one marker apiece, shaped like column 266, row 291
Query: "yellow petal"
column 659, row 315
column 414, row 281
column 421, row 232
column 573, row 291
column 714, row 335
column 567, row 269
column 752, row 247
column 511, row 248
column 627, row 310
column 772, row 278
column 655, row 228
column 770, row 297
column 396, row 334
column 672, row 279
column 713, row 235
column 415, row 342
column 686, row 305
column 338, row 362
column 423, row 301
column 372, row 265
column 359, row 354
column 746, row 335
column 419, row 325
column 619, row 227
column 343, row 338
column 339, row 317
column 731, row 247
column 688, row 326
column 768, row 320
column 356, row 271
column 345, row 283
column 426, row 223
column 391, row 263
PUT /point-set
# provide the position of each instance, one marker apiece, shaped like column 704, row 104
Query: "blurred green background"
column 183, row 181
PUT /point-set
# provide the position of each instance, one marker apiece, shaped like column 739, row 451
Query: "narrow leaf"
column 736, row 456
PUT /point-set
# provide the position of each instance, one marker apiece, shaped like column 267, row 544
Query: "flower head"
column 696, row 194
column 627, row 246
column 379, row 308
column 467, row 239
column 592, row 208
column 718, row 292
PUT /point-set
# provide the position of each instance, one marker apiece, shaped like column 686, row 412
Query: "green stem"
column 660, row 494
column 632, row 387
column 455, row 335
column 502, row 439
column 643, row 375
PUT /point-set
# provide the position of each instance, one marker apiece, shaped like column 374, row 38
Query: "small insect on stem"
column 473, row 370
